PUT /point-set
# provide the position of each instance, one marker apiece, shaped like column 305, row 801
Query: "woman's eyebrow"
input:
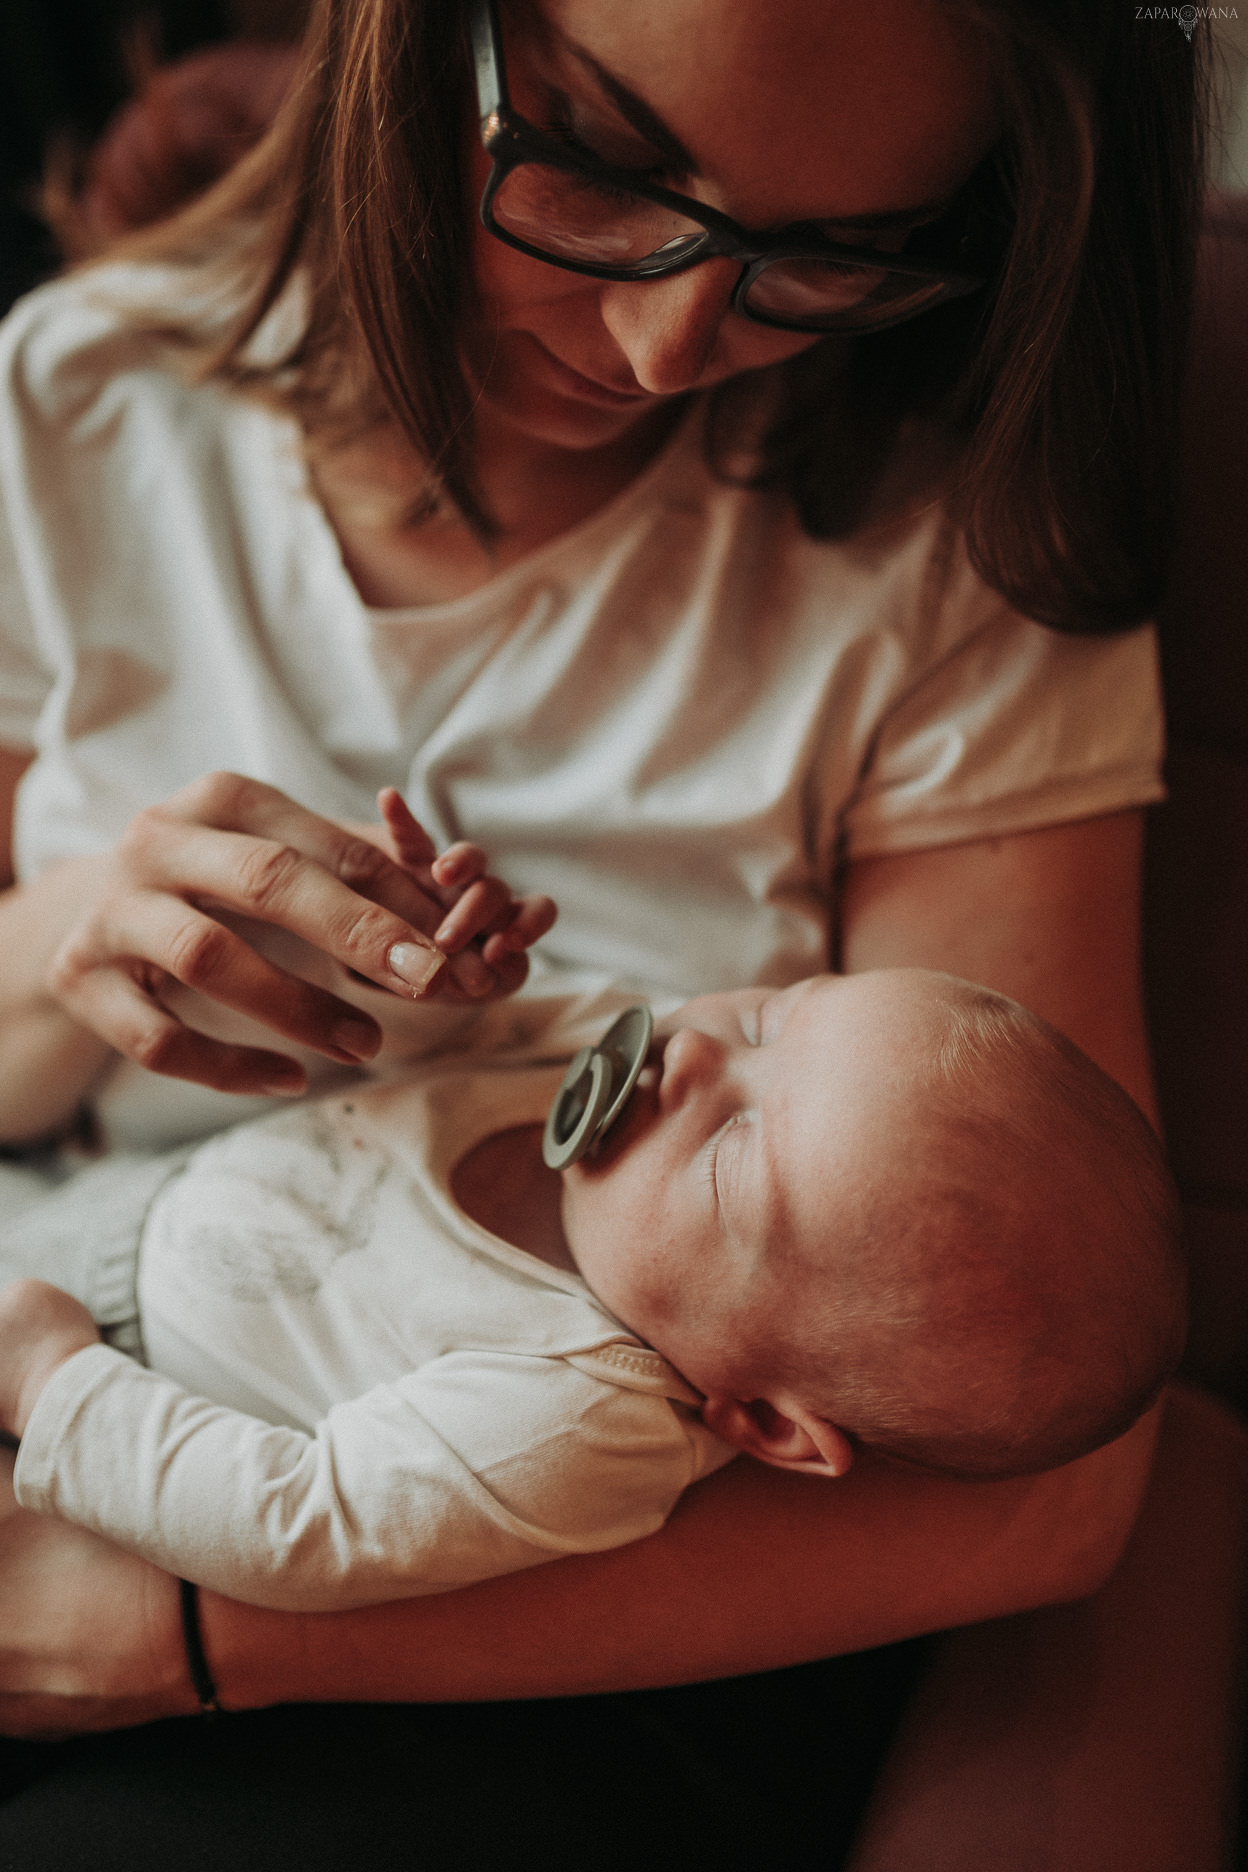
column 891, row 218
column 635, row 111
column 647, row 123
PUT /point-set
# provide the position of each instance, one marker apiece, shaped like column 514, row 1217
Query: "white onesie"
column 401, row 1402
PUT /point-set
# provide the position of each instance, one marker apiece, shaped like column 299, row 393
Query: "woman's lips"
column 588, row 389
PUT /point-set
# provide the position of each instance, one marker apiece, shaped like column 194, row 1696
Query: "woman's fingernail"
column 414, row 964
column 278, row 1087
column 359, row 1038
column 471, row 973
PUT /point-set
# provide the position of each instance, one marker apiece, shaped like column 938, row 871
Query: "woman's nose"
column 691, row 1059
column 668, row 328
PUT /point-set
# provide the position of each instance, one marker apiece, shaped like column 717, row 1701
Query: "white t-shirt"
column 673, row 719
column 401, row 1402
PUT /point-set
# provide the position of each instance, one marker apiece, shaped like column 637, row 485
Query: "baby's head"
column 890, row 1209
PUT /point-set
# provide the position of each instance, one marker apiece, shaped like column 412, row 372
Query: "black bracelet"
column 196, row 1663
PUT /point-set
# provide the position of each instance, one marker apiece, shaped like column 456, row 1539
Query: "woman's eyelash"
column 559, row 130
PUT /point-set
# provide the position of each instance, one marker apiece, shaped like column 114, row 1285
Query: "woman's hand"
column 40, row 1327
column 90, row 1637
column 156, row 912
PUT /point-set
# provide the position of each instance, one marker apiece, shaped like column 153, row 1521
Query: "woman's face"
column 864, row 118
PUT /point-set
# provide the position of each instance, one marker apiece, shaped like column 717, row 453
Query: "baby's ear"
column 780, row 1432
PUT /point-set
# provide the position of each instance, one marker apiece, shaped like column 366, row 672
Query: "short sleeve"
column 24, row 679
column 1009, row 726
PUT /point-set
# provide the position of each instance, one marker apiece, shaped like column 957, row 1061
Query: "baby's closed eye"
column 725, row 1155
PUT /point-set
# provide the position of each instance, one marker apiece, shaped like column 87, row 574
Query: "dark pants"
column 726, row 1777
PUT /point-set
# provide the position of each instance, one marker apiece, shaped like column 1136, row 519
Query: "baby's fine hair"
column 1031, row 1303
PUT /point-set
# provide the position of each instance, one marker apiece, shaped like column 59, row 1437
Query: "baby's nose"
column 690, row 1058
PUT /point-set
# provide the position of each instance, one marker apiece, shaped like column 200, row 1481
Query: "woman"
column 440, row 516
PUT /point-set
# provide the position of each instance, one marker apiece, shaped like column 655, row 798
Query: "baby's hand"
column 40, row 1327
column 485, row 930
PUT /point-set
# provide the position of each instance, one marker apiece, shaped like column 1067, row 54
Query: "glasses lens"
column 574, row 217
column 822, row 295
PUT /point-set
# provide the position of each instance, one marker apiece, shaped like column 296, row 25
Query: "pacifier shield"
column 596, row 1088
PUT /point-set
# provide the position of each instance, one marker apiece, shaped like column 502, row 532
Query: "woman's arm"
column 1104, row 1732
column 1050, row 917
column 755, row 1569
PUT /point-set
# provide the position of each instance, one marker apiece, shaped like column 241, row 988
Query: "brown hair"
column 1053, row 396
column 1061, row 384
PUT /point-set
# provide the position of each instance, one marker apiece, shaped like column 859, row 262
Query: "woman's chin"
column 564, row 422
column 545, row 400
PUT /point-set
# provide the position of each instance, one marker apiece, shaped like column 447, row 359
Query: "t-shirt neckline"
column 667, row 463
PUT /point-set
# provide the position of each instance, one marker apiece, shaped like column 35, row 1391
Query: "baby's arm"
column 478, row 1464
column 40, row 1327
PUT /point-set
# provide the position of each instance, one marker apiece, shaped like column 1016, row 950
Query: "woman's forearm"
column 1051, row 917
column 755, row 1570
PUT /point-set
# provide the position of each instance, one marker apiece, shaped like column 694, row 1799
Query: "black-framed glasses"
column 568, row 207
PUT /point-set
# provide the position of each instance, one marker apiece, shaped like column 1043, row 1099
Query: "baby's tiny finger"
column 525, row 923
column 470, row 973
column 475, row 911
column 459, row 864
column 412, row 843
column 499, row 948
column 534, row 917
column 511, row 974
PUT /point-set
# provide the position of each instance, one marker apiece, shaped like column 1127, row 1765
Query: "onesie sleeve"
column 1005, row 726
column 477, row 1464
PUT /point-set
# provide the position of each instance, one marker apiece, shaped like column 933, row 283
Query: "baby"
column 392, row 1352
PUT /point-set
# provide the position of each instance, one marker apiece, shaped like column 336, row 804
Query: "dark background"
column 65, row 66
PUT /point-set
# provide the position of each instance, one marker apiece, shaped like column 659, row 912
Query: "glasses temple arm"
column 491, row 82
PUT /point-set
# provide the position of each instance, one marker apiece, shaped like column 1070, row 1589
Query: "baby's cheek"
column 603, row 1223
column 587, row 1211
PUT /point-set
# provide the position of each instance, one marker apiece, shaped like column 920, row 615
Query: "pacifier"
column 596, row 1088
